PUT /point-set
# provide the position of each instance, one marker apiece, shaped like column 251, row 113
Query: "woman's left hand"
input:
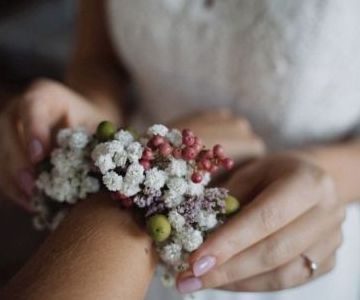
column 292, row 211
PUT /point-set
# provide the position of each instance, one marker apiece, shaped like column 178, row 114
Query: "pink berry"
column 207, row 154
column 196, row 177
column 206, row 164
column 227, row 163
column 157, row 140
column 165, row 149
column 125, row 201
column 188, row 140
column 187, row 132
column 177, row 153
column 197, row 147
column 145, row 163
column 219, row 151
column 189, row 153
column 214, row 168
column 147, row 154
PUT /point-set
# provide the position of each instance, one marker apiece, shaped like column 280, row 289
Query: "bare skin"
column 328, row 174
column 98, row 252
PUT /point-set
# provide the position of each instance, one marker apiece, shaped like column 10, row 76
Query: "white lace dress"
column 291, row 67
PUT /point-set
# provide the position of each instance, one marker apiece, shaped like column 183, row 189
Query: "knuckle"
column 276, row 253
column 41, row 90
column 269, row 217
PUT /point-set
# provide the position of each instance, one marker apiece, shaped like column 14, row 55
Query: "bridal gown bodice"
column 291, row 67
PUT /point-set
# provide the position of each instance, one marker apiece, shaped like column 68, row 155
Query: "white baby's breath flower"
column 62, row 138
column 108, row 155
column 100, row 150
column 176, row 220
column 120, row 158
column 78, row 139
column 105, row 163
column 194, row 189
column 134, row 151
column 43, row 180
column 177, row 167
column 190, row 238
column 206, row 220
column 113, row 181
column 68, row 179
column 177, row 185
column 172, row 199
column 124, row 137
column 158, row 129
column 62, row 190
column 175, row 137
column 134, row 174
column 58, row 218
column 155, row 179
column 130, row 190
column 206, row 178
column 88, row 185
column 59, row 160
column 171, row 254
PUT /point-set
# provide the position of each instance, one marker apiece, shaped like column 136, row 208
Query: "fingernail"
column 203, row 265
column 26, row 181
column 189, row 285
column 36, row 150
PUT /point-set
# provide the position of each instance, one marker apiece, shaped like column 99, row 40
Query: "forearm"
column 342, row 163
column 97, row 253
column 102, row 84
column 95, row 70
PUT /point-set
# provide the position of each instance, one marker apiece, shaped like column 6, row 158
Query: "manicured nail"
column 36, row 150
column 203, row 265
column 26, row 181
column 189, row 285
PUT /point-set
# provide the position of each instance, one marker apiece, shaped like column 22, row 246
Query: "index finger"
column 271, row 210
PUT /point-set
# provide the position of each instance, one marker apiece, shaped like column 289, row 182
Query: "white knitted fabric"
column 291, row 67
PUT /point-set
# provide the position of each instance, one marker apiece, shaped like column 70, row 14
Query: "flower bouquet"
column 162, row 176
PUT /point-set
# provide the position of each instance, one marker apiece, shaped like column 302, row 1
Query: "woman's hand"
column 221, row 127
column 26, row 128
column 292, row 210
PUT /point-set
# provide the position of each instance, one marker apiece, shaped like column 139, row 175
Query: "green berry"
column 159, row 228
column 105, row 130
column 231, row 205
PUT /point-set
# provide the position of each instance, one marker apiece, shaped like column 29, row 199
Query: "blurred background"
column 35, row 41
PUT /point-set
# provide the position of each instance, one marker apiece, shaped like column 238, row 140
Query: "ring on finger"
column 310, row 264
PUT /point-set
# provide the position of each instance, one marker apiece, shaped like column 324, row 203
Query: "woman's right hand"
column 27, row 126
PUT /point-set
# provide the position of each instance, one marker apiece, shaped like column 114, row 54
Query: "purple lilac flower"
column 157, row 206
column 145, row 200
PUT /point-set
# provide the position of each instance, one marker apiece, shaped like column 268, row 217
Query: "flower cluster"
column 165, row 174
column 66, row 178
column 162, row 174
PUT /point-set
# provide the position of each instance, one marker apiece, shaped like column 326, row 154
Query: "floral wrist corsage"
column 162, row 176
